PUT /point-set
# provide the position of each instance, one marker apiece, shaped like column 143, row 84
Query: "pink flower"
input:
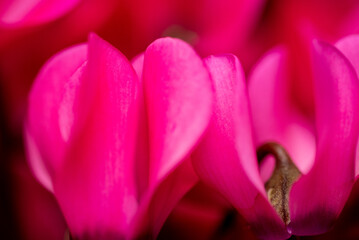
column 114, row 146
column 324, row 149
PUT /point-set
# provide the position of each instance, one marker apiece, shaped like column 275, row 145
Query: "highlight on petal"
column 349, row 46
column 275, row 117
column 32, row 12
column 318, row 197
column 137, row 63
column 96, row 186
column 226, row 158
column 178, row 94
column 51, row 112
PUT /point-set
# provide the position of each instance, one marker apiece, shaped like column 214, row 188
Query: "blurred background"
column 31, row 31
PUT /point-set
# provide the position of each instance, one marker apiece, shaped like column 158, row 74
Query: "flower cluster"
column 227, row 119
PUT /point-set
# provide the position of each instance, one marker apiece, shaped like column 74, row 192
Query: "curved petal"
column 179, row 98
column 31, row 12
column 137, row 63
column 321, row 194
column 157, row 204
column 50, row 114
column 201, row 214
column 96, row 184
column 176, row 83
column 226, row 156
column 274, row 115
column 349, row 46
column 142, row 147
column 35, row 209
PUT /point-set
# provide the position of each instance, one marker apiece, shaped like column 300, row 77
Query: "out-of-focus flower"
column 295, row 24
column 33, row 12
column 42, row 28
column 323, row 150
column 117, row 157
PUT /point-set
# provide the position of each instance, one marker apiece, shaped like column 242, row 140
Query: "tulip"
column 113, row 145
column 315, row 159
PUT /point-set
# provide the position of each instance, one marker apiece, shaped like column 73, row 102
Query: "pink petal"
column 199, row 215
column 96, row 185
column 349, row 46
column 35, row 209
column 275, row 117
column 142, row 146
column 157, row 205
column 179, row 98
column 226, row 156
column 137, row 63
column 176, row 83
column 318, row 197
column 32, row 12
column 51, row 112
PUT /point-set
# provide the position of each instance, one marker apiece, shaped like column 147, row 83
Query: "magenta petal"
column 176, row 84
column 226, row 156
column 142, row 148
column 274, row 116
column 137, row 63
column 96, row 186
column 51, row 113
column 349, row 46
column 169, row 193
column 318, row 197
column 159, row 202
column 179, row 98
